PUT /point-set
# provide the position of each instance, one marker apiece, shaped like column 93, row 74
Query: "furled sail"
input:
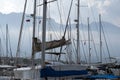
column 50, row 44
column 50, row 72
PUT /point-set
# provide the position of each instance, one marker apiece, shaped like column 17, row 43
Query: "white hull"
column 27, row 73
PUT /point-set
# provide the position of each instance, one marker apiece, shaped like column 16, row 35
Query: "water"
column 5, row 78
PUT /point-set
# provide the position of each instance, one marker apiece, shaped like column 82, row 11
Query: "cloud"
column 113, row 12
column 108, row 8
column 107, row 3
column 100, row 5
column 91, row 3
column 8, row 6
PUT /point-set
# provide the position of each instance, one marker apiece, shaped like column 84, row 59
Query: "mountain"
column 14, row 21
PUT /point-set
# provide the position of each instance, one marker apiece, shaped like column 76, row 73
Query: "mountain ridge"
column 14, row 21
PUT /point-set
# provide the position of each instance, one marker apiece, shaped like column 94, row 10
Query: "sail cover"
column 49, row 72
column 103, row 76
column 50, row 44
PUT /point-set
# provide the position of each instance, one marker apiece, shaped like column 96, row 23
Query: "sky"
column 108, row 8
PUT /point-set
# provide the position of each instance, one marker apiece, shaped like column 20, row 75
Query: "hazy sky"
column 108, row 8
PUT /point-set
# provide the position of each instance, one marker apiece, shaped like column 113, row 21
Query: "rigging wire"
column 69, row 49
column 82, row 44
column 106, row 42
column 75, row 48
column 24, row 39
column 53, row 26
column 51, row 23
column 49, row 27
column 22, row 23
column 66, row 25
column 1, row 49
column 60, row 14
column 10, row 44
column 54, row 29
column 94, row 44
column 68, row 18
column 2, row 32
column 92, row 12
column 63, row 10
column 108, row 37
column 39, row 21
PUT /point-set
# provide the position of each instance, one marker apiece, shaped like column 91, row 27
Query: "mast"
column 0, row 52
column 6, row 40
column 69, row 50
column 44, row 32
column 100, row 38
column 78, row 40
column 33, row 36
column 20, row 34
column 89, row 42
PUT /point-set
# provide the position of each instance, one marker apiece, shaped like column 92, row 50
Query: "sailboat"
column 112, row 62
column 50, row 72
column 6, row 67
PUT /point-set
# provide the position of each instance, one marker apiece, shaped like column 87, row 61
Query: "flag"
column 39, row 21
column 28, row 20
